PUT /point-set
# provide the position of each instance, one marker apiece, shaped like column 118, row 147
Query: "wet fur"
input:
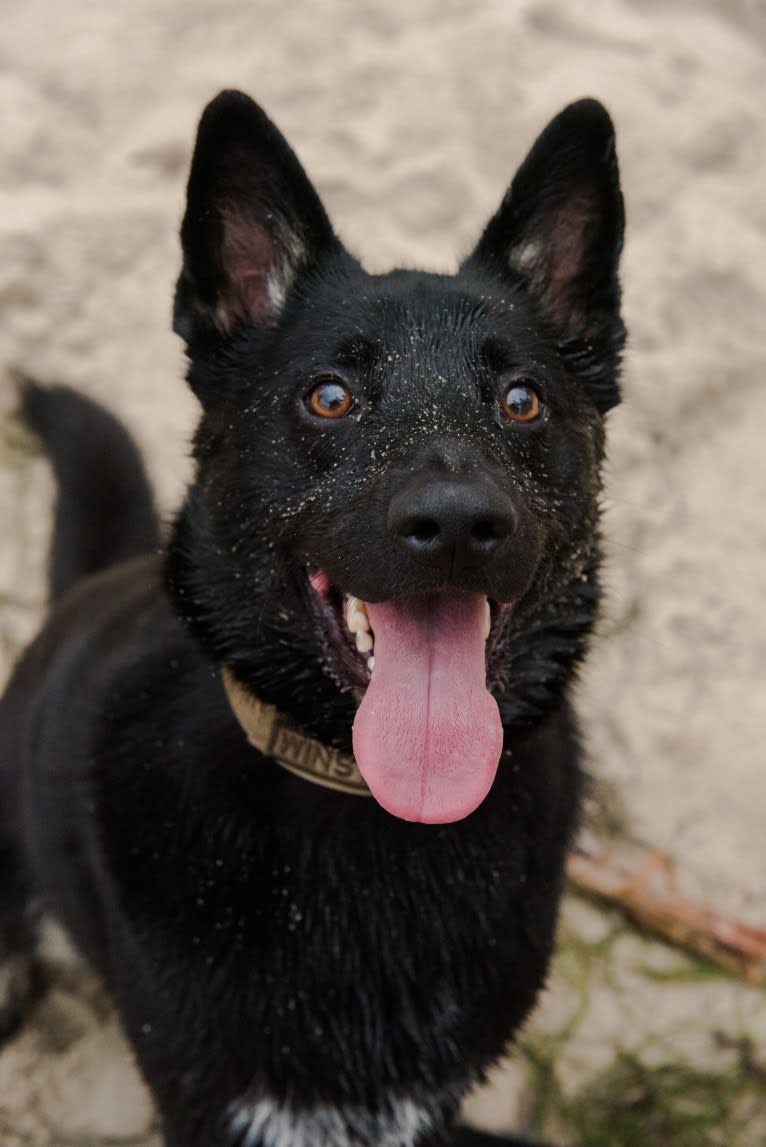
column 264, row 939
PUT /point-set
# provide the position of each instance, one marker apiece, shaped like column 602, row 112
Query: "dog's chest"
column 267, row 1123
column 370, row 987
column 366, row 974
column 364, row 966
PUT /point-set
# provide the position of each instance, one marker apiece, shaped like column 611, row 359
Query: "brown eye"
column 329, row 398
column 521, row 403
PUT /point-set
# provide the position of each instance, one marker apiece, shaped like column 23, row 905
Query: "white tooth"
column 370, row 663
column 487, row 620
column 364, row 642
column 356, row 615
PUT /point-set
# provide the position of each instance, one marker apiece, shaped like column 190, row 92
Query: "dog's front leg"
column 193, row 1069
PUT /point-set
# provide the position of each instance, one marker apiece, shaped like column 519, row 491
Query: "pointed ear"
column 559, row 229
column 252, row 222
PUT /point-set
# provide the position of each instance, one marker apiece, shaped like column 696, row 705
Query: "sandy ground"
column 411, row 116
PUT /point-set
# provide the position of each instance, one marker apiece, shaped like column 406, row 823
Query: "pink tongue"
column 427, row 735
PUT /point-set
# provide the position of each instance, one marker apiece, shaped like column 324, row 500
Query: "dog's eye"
column 520, row 402
column 329, row 398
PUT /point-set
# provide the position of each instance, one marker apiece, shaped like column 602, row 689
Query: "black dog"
column 391, row 544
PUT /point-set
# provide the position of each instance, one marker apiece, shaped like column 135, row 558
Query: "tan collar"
column 277, row 737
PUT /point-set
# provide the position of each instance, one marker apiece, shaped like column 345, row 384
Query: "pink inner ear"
column 253, row 290
column 561, row 257
column 252, row 269
column 569, row 239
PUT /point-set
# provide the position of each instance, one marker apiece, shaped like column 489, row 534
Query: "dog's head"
column 396, row 499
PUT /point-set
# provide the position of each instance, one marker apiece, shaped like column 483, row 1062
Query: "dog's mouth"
column 427, row 735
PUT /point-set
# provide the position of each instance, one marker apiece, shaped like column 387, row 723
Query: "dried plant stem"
column 647, row 894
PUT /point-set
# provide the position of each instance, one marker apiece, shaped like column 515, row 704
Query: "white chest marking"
column 265, row 1123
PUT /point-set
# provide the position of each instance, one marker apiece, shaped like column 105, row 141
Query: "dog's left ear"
column 253, row 222
column 559, row 229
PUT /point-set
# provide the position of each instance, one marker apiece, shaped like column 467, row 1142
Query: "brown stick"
column 656, row 905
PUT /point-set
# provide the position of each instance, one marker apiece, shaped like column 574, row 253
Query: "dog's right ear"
column 253, row 222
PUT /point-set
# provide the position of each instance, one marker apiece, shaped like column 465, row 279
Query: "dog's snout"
column 451, row 523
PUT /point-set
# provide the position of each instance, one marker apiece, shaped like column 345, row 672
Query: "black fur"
column 105, row 511
column 263, row 937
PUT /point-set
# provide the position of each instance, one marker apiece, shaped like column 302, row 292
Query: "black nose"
column 451, row 523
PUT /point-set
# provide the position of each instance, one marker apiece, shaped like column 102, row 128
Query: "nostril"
column 422, row 530
column 485, row 530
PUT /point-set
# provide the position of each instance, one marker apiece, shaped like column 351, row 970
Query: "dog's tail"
column 104, row 509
